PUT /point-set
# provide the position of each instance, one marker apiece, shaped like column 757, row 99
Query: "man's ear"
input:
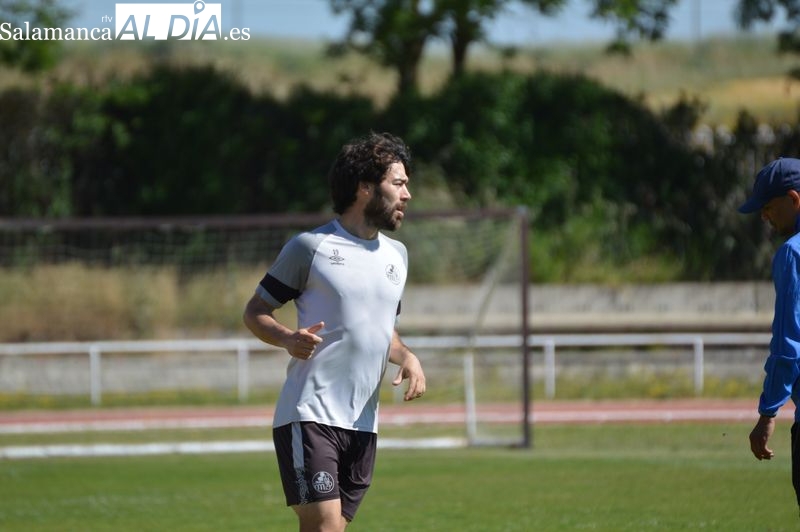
column 795, row 196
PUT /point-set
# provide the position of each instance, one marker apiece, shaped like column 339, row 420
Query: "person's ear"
column 795, row 197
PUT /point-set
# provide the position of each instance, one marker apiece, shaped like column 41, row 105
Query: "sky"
column 312, row 19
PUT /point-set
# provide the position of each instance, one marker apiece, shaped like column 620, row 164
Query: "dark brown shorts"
column 320, row 463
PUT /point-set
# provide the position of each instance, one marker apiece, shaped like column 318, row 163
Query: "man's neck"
column 357, row 226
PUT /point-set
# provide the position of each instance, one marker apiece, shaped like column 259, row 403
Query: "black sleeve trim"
column 278, row 290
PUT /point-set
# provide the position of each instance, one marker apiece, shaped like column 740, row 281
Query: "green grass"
column 592, row 477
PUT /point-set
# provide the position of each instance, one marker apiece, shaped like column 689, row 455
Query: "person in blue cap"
column 776, row 195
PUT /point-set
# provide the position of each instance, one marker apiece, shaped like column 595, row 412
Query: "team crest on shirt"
column 336, row 259
column 393, row 273
column 322, row 482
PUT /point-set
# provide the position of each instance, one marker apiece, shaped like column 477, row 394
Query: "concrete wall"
column 687, row 307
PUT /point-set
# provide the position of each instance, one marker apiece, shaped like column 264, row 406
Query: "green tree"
column 29, row 55
column 751, row 12
column 462, row 22
column 395, row 32
column 645, row 19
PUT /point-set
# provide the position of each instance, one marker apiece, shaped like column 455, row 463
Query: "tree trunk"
column 459, row 47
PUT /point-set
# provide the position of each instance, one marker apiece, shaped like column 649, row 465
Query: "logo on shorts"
column 323, row 482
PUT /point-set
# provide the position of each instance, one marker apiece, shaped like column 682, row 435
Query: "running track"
column 116, row 419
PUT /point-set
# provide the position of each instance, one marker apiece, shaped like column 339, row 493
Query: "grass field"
column 605, row 477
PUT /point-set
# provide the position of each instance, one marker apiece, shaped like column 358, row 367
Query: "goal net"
column 463, row 305
column 188, row 278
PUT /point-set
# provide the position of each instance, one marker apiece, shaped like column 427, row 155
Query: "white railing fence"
column 547, row 344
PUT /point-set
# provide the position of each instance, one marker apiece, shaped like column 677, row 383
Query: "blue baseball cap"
column 774, row 180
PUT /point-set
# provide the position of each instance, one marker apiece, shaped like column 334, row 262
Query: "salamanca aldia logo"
column 186, row 21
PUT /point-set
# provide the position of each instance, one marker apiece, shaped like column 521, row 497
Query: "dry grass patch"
column 73, row 302
column 76, row 302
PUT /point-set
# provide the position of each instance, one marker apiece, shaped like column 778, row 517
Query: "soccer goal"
column 466, row 297
column 188, row 278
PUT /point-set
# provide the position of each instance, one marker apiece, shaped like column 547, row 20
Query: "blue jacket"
column 783, row 364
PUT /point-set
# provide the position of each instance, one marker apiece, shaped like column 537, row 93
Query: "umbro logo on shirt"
column 336, row 259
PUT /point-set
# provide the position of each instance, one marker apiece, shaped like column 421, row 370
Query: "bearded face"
column 385, row 208
column 381, row 212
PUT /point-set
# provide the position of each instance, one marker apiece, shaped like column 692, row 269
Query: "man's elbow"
column 249, row 316
column 246, row 319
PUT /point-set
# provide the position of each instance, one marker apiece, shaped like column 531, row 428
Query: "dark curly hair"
column 365, row 159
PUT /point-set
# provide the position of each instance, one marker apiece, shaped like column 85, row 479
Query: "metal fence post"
column 243, row 371
column 469, row 396
column 95, row 377
column 550, row 368
column 699, row 362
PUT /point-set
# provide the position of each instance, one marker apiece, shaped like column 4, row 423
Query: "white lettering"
column 105, row 34
column 53, row 34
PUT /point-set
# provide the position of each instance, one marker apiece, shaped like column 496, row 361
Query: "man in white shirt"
column 347, row 280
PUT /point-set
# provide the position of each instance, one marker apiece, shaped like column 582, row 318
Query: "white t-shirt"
column 355, row 287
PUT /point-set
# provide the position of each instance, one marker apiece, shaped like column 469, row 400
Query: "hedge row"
column 596, row 169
